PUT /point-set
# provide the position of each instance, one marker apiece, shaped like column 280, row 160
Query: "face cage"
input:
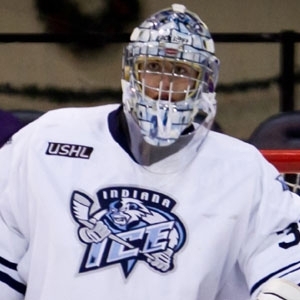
column 162, row 120
column 183, row 71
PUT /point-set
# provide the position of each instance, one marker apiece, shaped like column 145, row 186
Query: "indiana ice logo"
column 124, row 225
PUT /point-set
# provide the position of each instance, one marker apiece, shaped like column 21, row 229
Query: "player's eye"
column 185, row 70
column 153, row 66
column 179, row 70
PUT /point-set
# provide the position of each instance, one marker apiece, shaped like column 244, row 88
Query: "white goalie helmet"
column 169, row 75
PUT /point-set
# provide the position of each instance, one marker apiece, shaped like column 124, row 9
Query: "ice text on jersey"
column 125, row 225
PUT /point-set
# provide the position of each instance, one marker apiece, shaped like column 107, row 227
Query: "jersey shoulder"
column 228, row 144
column 66, row 125
column 84, row 115
column 71, row 121
column 228, row 150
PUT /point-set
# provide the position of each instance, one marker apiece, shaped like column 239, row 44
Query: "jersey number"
column 293, row 232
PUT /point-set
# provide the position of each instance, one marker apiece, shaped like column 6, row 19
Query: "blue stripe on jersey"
column 263, row 280
column 290, row 271
column 5, row 278
column 8, row 264
column 16, row 285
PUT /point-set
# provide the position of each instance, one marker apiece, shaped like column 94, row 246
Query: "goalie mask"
column 169, row 76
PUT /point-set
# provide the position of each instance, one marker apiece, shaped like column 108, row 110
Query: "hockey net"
column 288, row 164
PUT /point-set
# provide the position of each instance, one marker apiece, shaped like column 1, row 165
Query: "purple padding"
column 9, row 124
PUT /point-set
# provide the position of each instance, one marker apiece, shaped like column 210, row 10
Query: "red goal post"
column 288, row 163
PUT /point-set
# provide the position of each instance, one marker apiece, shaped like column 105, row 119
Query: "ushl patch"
column 124, row 225
column 69, row 150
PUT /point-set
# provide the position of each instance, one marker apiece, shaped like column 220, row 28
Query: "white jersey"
column 215, row 230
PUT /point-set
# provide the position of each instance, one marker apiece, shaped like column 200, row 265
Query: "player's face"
column 167, row 80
